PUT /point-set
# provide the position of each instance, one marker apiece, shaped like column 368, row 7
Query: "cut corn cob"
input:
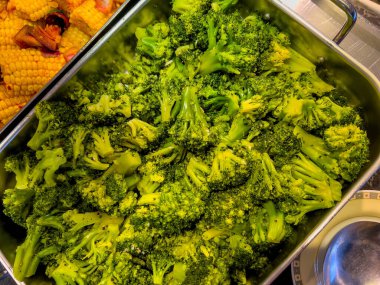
column 32, row 9
column 69, row 5
column 9, row 27
column 8, row 113
column 13, row 101
column 87, row 18
column 3, row 9
column 26, row 71
column 73, row 39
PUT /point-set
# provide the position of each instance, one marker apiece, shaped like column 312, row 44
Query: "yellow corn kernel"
column 73, row 38
column 87, row 18
column 26, row 71
column 9, row 27
column 8, row 113
column 13, row 101
column 3, row 9
column 69, row 5
column 32, row 9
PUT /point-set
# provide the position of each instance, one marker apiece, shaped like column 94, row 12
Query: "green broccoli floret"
column 173, row 209
column 265, row 180
column 153, row 41
column 136, row 134
column 226, row 103
column 268, row 225
column 279, row 141
column 89, row 244
column 198, row 172
column 18, row 204
column 78, row 135
column 315, row 148
column 53, row 118
column 169, row 90
column 42, row 242
column 111, row 192
column 160, row 267
column 187, row 6
column 154, row 169
column 102, row 143
column 310, row 114
column 21, row 164
column 106, row 109
column 225, row 54
column 230, row 167
column 138, row 239
column 67, row 271
column 349, row 145
column 223, row 5
column 190, row 128
column 310, row 189
column 238, row 131
column 49, row 162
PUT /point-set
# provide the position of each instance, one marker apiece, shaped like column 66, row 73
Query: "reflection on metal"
column 350, row 253
column 350, row 11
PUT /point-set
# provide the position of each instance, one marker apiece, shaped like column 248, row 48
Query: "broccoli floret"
column 265, row 181
column 226, row 103
column 238, row 131
column 78, row 135
column 349, row 145
column 310, row 189
column 187, row 6
column 102, row 143
column 279, row 142
column 310, row 114
column 42, row 242
column 230, row 167
column 315, row 148
column 223, row 5
column 172, row 209
column 268, row 225
column 190, row 128
column 198, row 172
column 53, row 118
column 106, row 109
column 111, row 192
column 18, row 204
column 154, row 169
column 224, row 54
column 49, row 162
column 153, row 41
column 21, row 164
column 136, row 134
column 169, row 90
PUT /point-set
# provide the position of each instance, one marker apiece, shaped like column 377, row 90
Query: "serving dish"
column 361, row 87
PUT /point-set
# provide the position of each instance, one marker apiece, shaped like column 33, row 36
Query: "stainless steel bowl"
column 360, row 86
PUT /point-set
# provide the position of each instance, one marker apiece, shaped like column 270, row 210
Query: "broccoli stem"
column 25, row 254
column 160, row 271
column 239, row 129
column 149, row 199
column 276, row 227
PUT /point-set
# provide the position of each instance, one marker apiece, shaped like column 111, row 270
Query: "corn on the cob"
column 26, row 71
column 9, row 27
column 87, row 18
column 69, row 5
column 3, row 9
column 13, row 101
column 8, row 113
column 32, row 9
column 73, row 38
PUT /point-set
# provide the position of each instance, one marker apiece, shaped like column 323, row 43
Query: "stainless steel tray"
column 361, row 87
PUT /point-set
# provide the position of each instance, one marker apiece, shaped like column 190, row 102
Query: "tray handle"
column 351, row 14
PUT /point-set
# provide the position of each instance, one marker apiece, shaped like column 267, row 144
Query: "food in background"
column 37, row 38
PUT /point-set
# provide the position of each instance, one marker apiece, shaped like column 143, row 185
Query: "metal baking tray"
column 362, row 88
